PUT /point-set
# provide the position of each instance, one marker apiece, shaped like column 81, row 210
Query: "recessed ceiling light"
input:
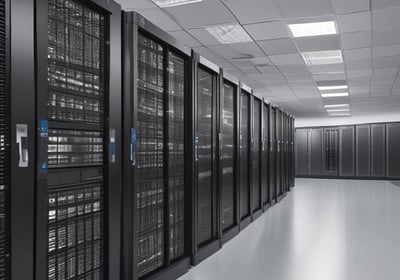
column 172, row 3
column 336, row 105
column 313, row 29
column 337, row 94
column 323, row 57
column 338, row 110
column 229, row 34
column 332, row 87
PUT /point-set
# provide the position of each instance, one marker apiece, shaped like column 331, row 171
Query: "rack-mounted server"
column 266, row 195
column 157, row 92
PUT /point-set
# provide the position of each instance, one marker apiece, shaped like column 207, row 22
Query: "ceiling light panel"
column 338, row 110
column 339, row 114
column 323, row 57
column 229, row 34
column 313, row 29
column 332, row 87
column 173, row 3
column 337, row 94
column 336, row 105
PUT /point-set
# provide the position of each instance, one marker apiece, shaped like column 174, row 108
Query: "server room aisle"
column 324, row 229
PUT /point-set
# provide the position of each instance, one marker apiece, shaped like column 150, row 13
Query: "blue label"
column 44, row 167
column 196, row 145
column 112, row 148
column 196, row 138
column 133, row 136
column 44, row 128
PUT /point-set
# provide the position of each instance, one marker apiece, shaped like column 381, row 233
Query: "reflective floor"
column 323, row 230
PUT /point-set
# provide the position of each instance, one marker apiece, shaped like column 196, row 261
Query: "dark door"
column 272, row 155
column 393, row 150
column 256, row 193
column 228, row 154
column 302, row 152
column 363, row 147
column 378, row 150
column 265, row 156
column 244, row 154
column 346, row 151
column 315, row 148
column 279, row 152
column 331, row 151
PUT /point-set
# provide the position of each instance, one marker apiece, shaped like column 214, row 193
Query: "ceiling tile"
column 249, row 70
column 320, row 43
column 326, row 68
column 277, row 46
column 268, row 69
column 287, row 59
column 358, row 64
column 256, row 11
column 386, row 18
column 386, row 62
column 356, row 40
column 293, row 69
column 359, row 73
column 193, row 15
column 346, row 6
column 161, row 19
column 382, row 51
column 129, row 5
column 206, row 53
column 380, row 4
column 305, row 8
column 185, row 38
column 357, row 54
column 203, row 36
column 386, row 37
column 354, row 22
column 247, row 50
column 267, row 30
column 329, row 77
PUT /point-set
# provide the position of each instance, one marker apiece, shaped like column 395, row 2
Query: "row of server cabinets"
column 132, row 168
column 361, row 151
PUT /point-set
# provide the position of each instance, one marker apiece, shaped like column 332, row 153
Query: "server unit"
column 228, row 155
column 363, row 147
column 346, row 151
column 315, row 151
column 378, row 150
column 273, row 155
column 157, row 95
column 392, row 150
column 257, row 195
column 245, row 156
column 206, row 203
column 266, row 200
column 5, row 142
column 331, row 151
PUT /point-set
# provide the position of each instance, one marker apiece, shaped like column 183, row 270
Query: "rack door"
column 331, row 151
column 302, row 152
column 265, row 155
column 392, row 150
column 316, row 149
column 279, row 153
column 256, row 157
column 272, row 155
column 228, row 155
column 363, row 147
column 346, row 151
column 378, row 150
column 244, row 154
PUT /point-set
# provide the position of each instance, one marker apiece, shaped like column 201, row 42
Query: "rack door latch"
column 22, row 141
column 133, row 146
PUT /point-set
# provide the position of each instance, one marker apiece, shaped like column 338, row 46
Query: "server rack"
column 378, row 150
column 273, row 155
column 392, row 150
column 4, row 141
column 257, row 194
column 315, row 151
column 157, row 100
column 302, row 154
column 331, row 151
column 279, row 154
column 286, row 149
column 363, row 148
column 292, row 153
column 245, row 156
column 266, row 200
column 228, row 157
column 206, row 234
column 346, row 151
column 78, row 135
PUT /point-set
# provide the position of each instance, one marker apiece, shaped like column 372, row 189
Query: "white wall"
column 331, row 121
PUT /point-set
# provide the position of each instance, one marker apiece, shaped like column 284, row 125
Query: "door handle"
column 22, row 141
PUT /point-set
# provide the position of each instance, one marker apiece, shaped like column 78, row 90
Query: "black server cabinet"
column 206, row 233
column 156, row 222
column 286, row 148
column 363, row 147
column 378, row 150
column 4, row 141
column 279, row 154
column 346, row 151
column 331, row 151
column 392, row 150
column 302, row 152
column 266, row 199
column 245, row 155
column 292, row 153
column 272, row 155
column 78, row 106
column 228, row 154
column 315, row 151
column 256, row 205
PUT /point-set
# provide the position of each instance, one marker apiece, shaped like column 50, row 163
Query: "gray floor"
column 323, row 230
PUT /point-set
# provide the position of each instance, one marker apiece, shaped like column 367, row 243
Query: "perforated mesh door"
column 150, row 151
column 244, row 154
column 265, row 155
column 76, row 94
column 176, row 155
column 272, row 158
column 4, row 147
column 205, row 152
column 331, row 150
column 228, row 156
column 256, row 155
column 278, row 152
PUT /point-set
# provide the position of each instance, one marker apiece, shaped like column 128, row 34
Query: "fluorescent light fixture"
column 229, row 33
column 340, row 114
column 337, row 94
column 322, row 57
column 313, row 29
column 332, row 87
column 338, row 110
column 336, row 105
column 172, row 3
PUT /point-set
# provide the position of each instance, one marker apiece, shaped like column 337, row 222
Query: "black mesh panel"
column 244, row 154
column 256, row 155
column 265, row 153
